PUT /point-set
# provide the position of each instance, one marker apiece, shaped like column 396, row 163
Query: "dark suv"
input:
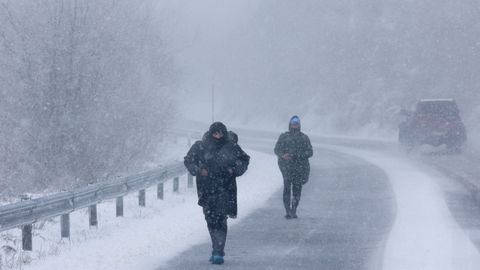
column 434, row 122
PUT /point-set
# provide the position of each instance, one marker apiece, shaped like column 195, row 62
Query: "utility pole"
column 213, row 102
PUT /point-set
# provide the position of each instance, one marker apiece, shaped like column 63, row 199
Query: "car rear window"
column 440, row 108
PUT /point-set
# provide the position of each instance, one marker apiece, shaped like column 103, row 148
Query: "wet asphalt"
column 345, row 215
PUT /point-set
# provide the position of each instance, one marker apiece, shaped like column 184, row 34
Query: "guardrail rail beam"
column 25, row 213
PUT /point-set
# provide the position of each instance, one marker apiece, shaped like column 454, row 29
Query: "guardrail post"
column 65, row 225
column 119, row 206
column 93, row 215
column 176, row 184
column 141, row 197
column 27, row 237
column 160, row 191
column 190, row 180
column 26, row 230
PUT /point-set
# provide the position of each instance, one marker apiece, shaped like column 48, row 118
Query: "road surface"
column 345, row 215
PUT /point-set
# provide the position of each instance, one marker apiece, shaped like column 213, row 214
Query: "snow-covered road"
column 425, row 235
column 349, row 223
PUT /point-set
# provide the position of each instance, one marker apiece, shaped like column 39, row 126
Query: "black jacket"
column 224, row 160
column 298, row 145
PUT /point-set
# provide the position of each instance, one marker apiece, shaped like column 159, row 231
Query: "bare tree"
column 87, row 87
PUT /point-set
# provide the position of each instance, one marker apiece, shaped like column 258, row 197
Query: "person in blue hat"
column 293, row 150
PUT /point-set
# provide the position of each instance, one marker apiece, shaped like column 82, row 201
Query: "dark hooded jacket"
column 223, row 160
column 297, row 144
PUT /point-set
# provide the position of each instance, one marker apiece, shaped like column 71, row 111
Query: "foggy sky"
column 341, row 65
column 203, row 32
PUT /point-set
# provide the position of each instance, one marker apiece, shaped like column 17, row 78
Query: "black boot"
column 293, row 213
column 289, row 212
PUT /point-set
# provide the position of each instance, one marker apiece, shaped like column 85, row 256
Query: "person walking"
column 242, row 159
column 215, row 160
column 293, row 150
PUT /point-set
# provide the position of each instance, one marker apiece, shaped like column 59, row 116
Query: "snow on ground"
column 146, row 237
column 425, row 235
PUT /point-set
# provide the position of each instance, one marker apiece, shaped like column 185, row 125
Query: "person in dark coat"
column 293, row 150
column 242, row 160
column 214, row 161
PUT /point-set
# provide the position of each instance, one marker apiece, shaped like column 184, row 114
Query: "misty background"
column 345, row 66
column 91, row 89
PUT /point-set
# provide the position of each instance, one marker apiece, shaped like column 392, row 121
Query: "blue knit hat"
column 295, row 120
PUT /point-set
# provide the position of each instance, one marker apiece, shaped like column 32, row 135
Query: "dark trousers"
column 290, row 188
column 232, row 197
column 217, row 227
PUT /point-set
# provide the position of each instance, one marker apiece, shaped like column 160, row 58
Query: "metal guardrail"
column 27, row 212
